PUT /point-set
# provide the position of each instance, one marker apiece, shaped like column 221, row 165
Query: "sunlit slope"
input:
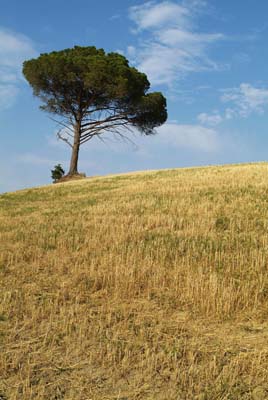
column 140, row 286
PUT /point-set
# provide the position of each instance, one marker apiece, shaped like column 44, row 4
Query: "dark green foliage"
column 82, row 79
column 57, row 172
column 94, row 93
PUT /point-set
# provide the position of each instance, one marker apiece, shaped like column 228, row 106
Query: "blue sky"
column 209, row 58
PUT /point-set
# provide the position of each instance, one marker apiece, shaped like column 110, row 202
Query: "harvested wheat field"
column 139, row 286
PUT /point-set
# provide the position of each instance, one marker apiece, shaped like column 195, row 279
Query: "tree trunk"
column 75, row 151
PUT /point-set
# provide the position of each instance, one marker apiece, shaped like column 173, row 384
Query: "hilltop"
column 139, row 286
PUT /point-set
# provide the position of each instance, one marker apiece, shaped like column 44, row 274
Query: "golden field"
column 146, row 286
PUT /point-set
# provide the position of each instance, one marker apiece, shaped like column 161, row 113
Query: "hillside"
column 146, row 286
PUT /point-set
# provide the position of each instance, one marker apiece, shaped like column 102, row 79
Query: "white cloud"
column 210, row 119
column 152, row 15
column 229, row 113
column 194, row 137
column 246, row 99
column 131, row 51
column 196, row 42
column 173, row 46
column 14, row 49
column 114, row 17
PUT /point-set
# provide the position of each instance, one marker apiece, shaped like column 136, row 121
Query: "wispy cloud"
column 157, row 15
column 115, row 17
column 170, row 45
column 193, row 137
column 245, row 100
column 242, row 101
column 210, row 119
column 14, row 49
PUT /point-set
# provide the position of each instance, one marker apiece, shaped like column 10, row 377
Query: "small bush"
column 57, row 173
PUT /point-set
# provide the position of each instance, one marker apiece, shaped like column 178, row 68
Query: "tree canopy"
column 94, row 92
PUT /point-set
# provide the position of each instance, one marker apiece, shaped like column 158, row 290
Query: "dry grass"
column 140, row 286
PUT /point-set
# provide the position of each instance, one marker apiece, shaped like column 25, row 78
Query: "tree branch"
column 103, row 129
column 61, row 137
column 64, row 125
column 111, row 118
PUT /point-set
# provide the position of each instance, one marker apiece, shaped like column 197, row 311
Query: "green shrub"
column 57, row 173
